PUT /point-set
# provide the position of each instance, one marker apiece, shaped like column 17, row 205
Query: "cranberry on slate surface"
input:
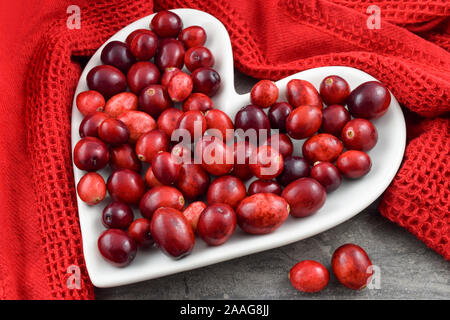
column 139, row 230
column 117, row 215
column 264, row 186
column 359, row 134
column 303, row 122
column 89, row 102
column 117, row 247
column 193, row 180
column 107, row 80
column 226, row 189
column 334, row 118
column 154, row 99
column 327, row 175
column 138, row 123
column 264, row 93
column 170, row 54
column 194, row 36
column 90, row 124
column 90, row 154
column 350, row 265
column 305, row 196
column 278, row 114
column 206, row 80
column 198, row 57
column 294, row 168
column 114, row 132
column 144, row 45
column 141, row 75
column 126, row 186
column 216, row 224
column 166, row 24
column 354, row 164
column 370, row 100
column 302, row 92
column 162, row 196
column 334, row 90
column 117, row 54
column 91, row 188
column 322, row 147
column 121, row 103
column 309, row 276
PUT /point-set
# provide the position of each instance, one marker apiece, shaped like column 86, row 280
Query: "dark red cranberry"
column 194, row 122
column 354, row 164
column 322, row 147
column 194, row 36
column 282, row 143
column 350, row 265
column 252, row 117
column 151, row 180
column 264, row 186
column 166, row 167
column 117, row 215
column 301, row 93
column 305, row 196
column 139, row 230
column 334, row 118
column 90, row 101
column 117, row 54
column 135, row 33
column 327, row 174
column 359, row 134
column 117, row 247
column 370, row 100
column 157, row 197
column 114, row 132
column 91, row 188
column 304, row 121
column 150, row 144
column 124, row 157
column 309, row 276
column 334, row 90
column 218, row 121
column 154, row 99
column 269, row 163
column 278, row 114
column 138, row 123
column 126, row 186
column 216, row 224
column 180, row 87
column 193, row 180
column 198, row 57
column 166, row 24
column 141, row 75
column 170, row 54
column 294, row 168
column 198, row 101
column 90, row 154
column 90, row 124
column 206, row 80
column 121, row 103
column 244, row 153
column 214, row 155
column 227, row 189
column 264, row 93
column 168, row 120
column 107, row 80
column 144, row 45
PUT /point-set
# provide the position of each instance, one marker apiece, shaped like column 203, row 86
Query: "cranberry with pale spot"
column 89, row 102
column 359, row 134
column 168, row 75
column 150, row 144
column 154, row 99
column 141, row 75
column 334, row 90
column 91, row 188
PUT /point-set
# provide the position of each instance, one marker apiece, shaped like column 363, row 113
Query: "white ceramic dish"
column 350, row 199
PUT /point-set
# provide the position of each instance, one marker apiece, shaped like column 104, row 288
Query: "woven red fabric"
column 39, row 233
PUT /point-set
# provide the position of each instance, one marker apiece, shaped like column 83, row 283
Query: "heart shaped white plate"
column 351, row 197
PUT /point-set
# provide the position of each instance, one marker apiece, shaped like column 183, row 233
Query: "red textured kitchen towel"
column 39, row 232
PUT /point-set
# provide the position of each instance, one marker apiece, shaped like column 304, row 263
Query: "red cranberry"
column 180, row 87
column 294, row 168
column 264, row 93
column 269, row 163
column 166, row 167
column 151, row 180
column 206, row 80
column 327, row 175
column 89, row 102
column 354, row 164
column 162, row 196
column 282, row 143
column 198, row 101
column 168, row 120
column 350, row 265
column 117, row 215
column 126, row 186
column 91, row 188
column 264, row 186
column 303, row 122
column 359, row 134
column 227, row 189
column 305, row 196
column 262, row 213
column 138, row 123
column 215, row 156
column 90, row 124
column 154, row 99
column 144, row 45
column 216, row 224
column 309, row 276
column 370, row 100
column 192, row 213
column 117, row 247
column 244, row 152
column 322, row 147
column 139, row 230
column 334, row 90
column 166, row 24
column 334, row 118
column 252, row 117
column 168, row 75
column 141, row 75
column 198, row 57
column 193, row 180
column 170, row 54
column 278, row 114
column 172, row 232
column 135, row 33
column 150, row 144
column 114, row 132
column 301, row 93
column 117, row 54
column 194, row 122
column 194, row 36
column 219, row 120
column 121, row 103
column 124, row 157
column 90, row 154
column 107, row 80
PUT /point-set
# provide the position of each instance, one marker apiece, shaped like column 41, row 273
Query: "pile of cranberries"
column 140, row 100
